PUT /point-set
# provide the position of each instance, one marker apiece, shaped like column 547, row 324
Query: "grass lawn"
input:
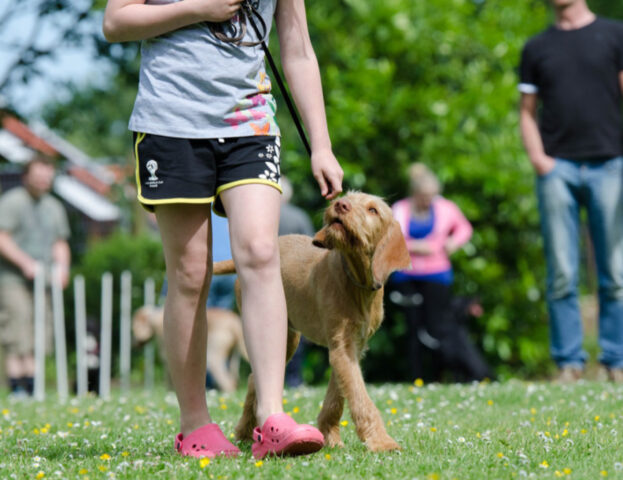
column 481, row 431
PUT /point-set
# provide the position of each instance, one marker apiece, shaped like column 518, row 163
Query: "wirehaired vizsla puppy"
column 334, row 293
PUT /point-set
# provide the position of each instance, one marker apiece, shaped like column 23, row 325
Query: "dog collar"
column 372, row 288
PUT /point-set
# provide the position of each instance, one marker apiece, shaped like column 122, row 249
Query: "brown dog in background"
column 334, row 293
column 225, row 341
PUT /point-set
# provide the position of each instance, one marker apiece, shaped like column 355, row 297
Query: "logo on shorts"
column 153, row 181
column 152, row 166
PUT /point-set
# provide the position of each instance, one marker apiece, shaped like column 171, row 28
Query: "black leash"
column 247, row 12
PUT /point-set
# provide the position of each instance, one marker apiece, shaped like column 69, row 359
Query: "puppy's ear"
column 391, row 254
column 320, row 239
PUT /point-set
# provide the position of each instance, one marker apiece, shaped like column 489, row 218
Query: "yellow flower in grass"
column 259, row 463
column 5, row 411
column 83, row 471
column 544, row 464
column 418, row 382
column 393, row 411
column 40, row 474
column 559, row 474
column 583, row 431
column 125, row 454
column 104, row 456
column 344, row 423
column 597, row 417
column 140, row 410
column 565, row 432
column 103, row 468
column 500, row 455
column 566, row 471
column 433, row 429
column 204, row 462
column 327, row 456
column 296, row 410
column 603, row 473
column 489, row 402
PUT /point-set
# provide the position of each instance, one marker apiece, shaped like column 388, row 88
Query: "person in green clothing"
column 33, row 235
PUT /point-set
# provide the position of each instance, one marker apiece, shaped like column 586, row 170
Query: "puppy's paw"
column 244, row 431
column 382, row 443
column 332, row 438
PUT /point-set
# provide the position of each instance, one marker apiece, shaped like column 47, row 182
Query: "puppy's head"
column 362, row 224
column 142, row 326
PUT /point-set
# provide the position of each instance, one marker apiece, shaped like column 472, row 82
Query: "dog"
column 225, row 341
column 334, row 293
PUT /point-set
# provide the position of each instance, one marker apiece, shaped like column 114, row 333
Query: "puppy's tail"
column 224, row 267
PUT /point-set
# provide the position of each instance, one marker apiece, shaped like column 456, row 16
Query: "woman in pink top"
column 434, row 228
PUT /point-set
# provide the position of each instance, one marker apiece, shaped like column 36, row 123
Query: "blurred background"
column 433, row 81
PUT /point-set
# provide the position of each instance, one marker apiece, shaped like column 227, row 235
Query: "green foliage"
column 435, row 82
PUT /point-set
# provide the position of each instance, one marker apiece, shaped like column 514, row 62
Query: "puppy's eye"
column 373, row 210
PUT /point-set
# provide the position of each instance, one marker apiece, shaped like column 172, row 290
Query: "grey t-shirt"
column 193, row 85
column 35, row 225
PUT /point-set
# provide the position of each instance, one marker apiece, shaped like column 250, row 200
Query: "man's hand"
column 327, row 172
column 60, row 275
column 29, row 269
column 543, row 164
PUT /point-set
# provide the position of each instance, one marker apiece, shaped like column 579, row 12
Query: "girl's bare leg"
column 253, row 213
column 186, row 240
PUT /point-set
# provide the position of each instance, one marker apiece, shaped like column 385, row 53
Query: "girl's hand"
column 214, row 10
column 327, row 172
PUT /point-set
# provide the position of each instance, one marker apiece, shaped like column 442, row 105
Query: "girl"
column 205, row 133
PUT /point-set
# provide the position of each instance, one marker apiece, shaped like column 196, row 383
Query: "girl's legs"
column 186, row 240
column 253, row 213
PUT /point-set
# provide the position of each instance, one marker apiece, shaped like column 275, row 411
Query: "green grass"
column 486, row 431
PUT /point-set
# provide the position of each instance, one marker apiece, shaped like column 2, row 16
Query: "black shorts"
column 179, row 170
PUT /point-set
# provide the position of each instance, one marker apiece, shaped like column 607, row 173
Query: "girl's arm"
column 303, row 75
column 130, row 20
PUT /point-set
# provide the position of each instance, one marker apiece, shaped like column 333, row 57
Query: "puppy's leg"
column 331, row 413
column 367, row 418
column 248, row 421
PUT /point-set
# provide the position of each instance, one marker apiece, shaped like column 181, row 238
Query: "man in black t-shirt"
column 573, row 71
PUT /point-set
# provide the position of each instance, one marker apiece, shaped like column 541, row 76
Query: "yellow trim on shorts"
column 248, row 181
column 164, row 201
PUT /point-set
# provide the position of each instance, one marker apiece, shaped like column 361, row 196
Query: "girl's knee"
column 189, row 278
column 259, row 253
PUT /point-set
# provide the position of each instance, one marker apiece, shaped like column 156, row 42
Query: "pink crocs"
column 207, row 441
column 281, row 435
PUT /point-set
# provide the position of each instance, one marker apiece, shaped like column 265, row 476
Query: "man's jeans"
column 597, row 186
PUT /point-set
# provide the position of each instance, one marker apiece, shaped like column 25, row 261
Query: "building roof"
column 86, row 183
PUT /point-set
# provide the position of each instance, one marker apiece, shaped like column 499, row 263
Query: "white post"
column 149, row 350
column 125, row 345
column 82, row 380
column 106, row 335
column 39, row 324
column 59, row 336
